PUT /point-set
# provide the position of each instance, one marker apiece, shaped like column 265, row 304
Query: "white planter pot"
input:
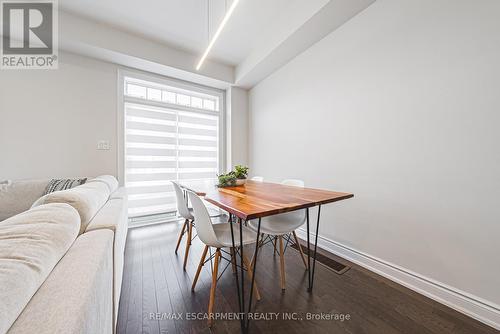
column 240, row 182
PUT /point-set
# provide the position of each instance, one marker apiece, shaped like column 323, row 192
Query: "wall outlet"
column 103, row 145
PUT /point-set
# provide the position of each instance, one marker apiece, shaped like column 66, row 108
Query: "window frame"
column 177, row 84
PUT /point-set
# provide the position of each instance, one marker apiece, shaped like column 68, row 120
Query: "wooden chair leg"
column 188, row 243
column 282, row 262
column 249, row 266
column 181, row 235
column 251, row 262
column 300, row 249
column 274, row 244
column 202, row 262
column 213, row 287
column 233, row 259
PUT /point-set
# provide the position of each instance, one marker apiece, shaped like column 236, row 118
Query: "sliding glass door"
column 173, row 131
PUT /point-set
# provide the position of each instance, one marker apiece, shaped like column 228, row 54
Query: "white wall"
column 51, row 120
column 236, row 127
column 401, row 107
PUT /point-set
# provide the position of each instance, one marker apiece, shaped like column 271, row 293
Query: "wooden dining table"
column 256, row 200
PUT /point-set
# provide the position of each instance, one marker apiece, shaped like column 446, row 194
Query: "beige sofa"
column 61, row 256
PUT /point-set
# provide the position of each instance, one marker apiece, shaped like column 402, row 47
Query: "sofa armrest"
column 120, row 193
column 78, row 292
column 113, row 216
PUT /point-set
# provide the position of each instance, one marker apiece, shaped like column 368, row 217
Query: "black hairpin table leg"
column 240, row 284
column 256, row 252
column 310, row 273
column 242, row 323
column 242, row 270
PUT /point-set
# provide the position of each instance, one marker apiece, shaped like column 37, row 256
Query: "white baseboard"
column 470, row 305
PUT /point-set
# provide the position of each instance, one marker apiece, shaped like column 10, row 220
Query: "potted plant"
column 226, row 180
column 241, row 173
column 236, row 177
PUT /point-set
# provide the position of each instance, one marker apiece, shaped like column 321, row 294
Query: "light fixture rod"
column 217, row 33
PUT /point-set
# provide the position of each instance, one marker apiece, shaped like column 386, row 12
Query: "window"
column 172, row 132
column 177, row 96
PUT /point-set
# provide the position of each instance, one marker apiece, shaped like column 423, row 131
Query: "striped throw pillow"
column 63, row 184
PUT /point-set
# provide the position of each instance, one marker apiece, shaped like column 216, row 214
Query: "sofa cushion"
column 18, row 196
column 31, row 244
column 109, row 180
column 87, row 199
column 63, row 184
column 77, row 295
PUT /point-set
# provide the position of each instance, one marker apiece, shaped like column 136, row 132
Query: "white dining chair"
column 185, row 212
column 257, row 178
column 280, row 226
column 218, row 236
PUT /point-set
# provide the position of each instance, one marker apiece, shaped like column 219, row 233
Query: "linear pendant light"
column 217, row 33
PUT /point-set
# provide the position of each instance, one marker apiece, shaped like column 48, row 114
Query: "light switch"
column 103, row 145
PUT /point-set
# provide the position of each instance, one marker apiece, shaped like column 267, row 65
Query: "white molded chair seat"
column 279, row 224
column 223, row 234
column 182, row 207
column 282, row 224
column 187, row 214
column 217, row 235
column 211, row 212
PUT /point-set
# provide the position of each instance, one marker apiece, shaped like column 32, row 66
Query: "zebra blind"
column 170, row 134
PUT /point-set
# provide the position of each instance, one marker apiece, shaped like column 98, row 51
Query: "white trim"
column 120, row 129
column 163, row 80
column 466, row 303
column 161, row 104
column 228, row 127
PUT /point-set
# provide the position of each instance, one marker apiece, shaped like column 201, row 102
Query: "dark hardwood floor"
column 155, row 289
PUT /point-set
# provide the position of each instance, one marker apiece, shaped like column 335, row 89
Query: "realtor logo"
column 29, row 39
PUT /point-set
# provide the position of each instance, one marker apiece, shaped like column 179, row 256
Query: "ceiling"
column 183, row 24
column 168, row 37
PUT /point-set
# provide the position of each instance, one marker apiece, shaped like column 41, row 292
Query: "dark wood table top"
column 261, row 199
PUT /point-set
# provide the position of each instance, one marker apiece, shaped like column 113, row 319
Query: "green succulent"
column 229, row 179
column 241, row 172
column 226, row 180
